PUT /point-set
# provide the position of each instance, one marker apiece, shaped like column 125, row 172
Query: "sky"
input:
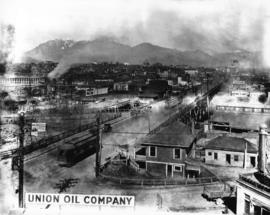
column 208, row 25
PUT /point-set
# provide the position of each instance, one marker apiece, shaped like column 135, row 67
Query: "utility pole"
column 99, row 145
column 21, row 159
column 245, row 156
column 207, row 83
column 207, row 100
column 149, row 123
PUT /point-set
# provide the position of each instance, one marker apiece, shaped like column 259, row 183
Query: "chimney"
column 262, row 149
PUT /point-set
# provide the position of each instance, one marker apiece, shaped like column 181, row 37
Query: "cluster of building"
column 240, row 142
column 88, row 80
column 232, row 139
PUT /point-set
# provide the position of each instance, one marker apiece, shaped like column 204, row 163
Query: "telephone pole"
column 149, row 123
column 99, row 145
column 21, row 159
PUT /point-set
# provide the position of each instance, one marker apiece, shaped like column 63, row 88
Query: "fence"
column 160, row 182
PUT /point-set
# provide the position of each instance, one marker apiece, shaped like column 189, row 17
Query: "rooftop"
column 174, row 135
column 257, row 181
column 236, row 144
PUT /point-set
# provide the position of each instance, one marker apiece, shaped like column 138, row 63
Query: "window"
column 153, row 151
column 209, row 153
column 236, row 158
column 247, row 197
column 178, row 168
column 247, row 204
column 215, row 155
column 176, row 153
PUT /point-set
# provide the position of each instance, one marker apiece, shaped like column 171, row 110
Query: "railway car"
column 77, row 150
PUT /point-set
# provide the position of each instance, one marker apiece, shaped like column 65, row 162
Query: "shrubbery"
column 262, row 98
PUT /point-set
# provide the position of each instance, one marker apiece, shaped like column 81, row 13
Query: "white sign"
column 38, row 127
column 73, row 199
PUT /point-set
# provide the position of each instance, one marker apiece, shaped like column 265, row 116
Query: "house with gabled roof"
column 164, row 153
column 231, row 151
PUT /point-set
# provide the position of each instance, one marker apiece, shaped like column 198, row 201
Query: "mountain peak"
column 105, row 39
column 108, row 49
column 145, row 44
column 58, row 42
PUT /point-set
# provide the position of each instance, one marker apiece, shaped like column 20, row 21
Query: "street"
column 43, row 172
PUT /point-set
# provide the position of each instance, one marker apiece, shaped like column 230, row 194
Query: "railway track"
column 45, row 143
column 53, row 145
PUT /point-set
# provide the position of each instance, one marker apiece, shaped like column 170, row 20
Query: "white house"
column 96, row 91
column 231, row 151
column 120, row 86
column 192, row 71
column 181, row 82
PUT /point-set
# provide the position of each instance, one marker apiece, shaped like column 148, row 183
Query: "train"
column 77, row 149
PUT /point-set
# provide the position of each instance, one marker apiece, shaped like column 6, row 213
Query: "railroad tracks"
column 46, row 142
column 49, row 144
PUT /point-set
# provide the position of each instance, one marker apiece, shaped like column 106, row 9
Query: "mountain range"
column 100, row 50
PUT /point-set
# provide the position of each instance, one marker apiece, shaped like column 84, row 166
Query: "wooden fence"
column 160, row 182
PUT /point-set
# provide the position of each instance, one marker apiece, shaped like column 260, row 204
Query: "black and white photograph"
column 134, row 107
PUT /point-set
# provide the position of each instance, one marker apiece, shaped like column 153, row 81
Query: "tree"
column 11, row 105
column 262, row 98
column 3, row 95
column 146, row 63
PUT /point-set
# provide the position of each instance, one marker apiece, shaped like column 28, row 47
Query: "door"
column 169, row 170
column 252, row 161
column 228, row 158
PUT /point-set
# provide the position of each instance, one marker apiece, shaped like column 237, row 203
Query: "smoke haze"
column 207, row 25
